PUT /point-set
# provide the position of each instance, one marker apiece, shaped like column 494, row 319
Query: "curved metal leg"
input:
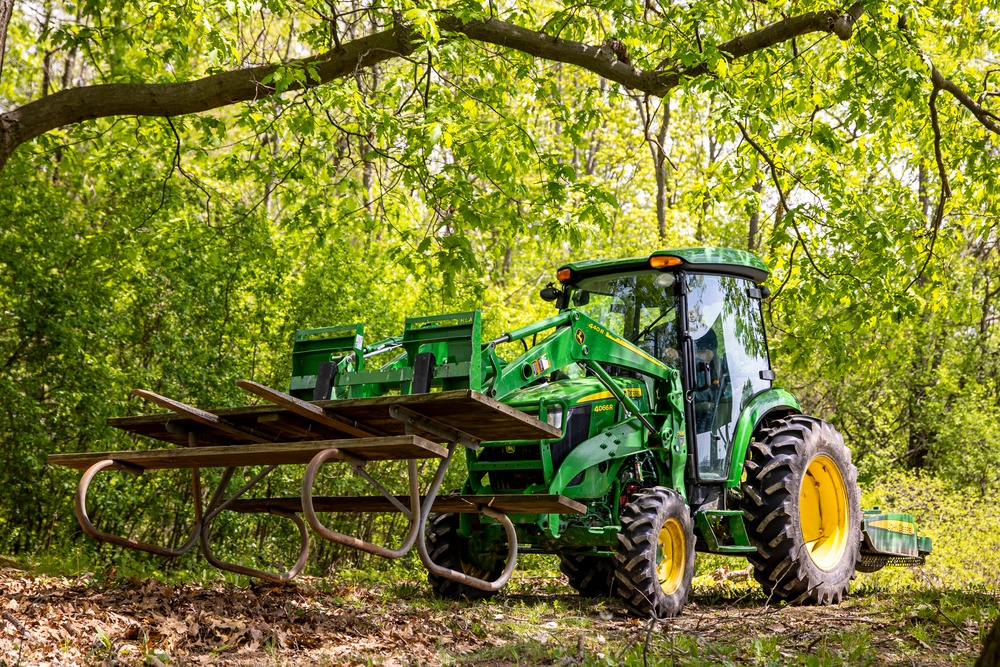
column 468, row 580
column 216, row 506
column 90, row 529
column 309, row 479
column 454, row 575
column 300, row 563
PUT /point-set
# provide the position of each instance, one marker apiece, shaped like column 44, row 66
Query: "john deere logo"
column 579, row 336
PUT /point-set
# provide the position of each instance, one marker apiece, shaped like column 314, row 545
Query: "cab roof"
column 726, row 261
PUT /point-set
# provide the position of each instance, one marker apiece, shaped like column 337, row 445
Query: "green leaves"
column 183, row 254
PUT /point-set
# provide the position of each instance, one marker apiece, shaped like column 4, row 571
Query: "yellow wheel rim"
column 823, row 512
column 671, row 554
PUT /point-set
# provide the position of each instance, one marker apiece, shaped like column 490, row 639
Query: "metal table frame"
column 417, row 513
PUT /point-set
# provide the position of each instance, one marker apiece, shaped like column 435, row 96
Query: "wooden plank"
column 198, row 415
column 508, row 503
column 292, row 429
column 464, row 410
column 275, row 425
column 369, row 449
column 471, row 412
column 303, row 409
column 202, row 436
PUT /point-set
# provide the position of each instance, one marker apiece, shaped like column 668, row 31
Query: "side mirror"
column 550, row 293
column 703, row 369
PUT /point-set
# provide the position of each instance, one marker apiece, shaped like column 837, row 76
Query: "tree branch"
column 773, row 168
column 602, row 60
column 988, row 120
column 76, row 105
column 939, row 82
column 945, row 187
column 6, row 10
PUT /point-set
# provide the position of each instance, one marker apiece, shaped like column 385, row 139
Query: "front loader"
column 637, row 425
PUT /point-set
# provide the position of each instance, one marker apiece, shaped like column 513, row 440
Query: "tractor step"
column 727, row 525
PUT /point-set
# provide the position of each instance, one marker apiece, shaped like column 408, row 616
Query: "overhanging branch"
column 76, row 105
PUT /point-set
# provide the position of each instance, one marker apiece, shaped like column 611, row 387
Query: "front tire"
column 590, row 576
column 655, row 553
column 802, row 510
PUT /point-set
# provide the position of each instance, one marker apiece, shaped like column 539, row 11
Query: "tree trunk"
column 660, row 161
column 990, row 657
column 754, row 227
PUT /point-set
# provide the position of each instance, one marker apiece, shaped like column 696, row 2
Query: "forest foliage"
column 181, row 253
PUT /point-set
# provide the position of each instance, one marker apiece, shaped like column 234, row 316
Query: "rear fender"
column 772, row 402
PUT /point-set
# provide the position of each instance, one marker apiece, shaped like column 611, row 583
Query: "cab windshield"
column 640, row 307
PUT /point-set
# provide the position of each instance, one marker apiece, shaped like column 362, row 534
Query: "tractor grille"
column 530, row 452
column 575, row 431
column 508, row 480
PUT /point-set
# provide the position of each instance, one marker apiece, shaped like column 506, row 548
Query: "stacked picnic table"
column 286, row 430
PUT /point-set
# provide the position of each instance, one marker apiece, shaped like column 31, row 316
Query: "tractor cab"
column 698, row 311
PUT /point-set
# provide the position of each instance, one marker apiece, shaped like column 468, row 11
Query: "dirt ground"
column 110, row 621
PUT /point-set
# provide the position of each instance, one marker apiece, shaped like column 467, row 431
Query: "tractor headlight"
column 554, row 416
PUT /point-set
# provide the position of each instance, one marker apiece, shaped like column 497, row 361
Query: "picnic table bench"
column 286, row 430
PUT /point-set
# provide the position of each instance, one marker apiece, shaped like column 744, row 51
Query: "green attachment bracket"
column 442, row 352
column 454, row 343
column 727, row 525
column 315, row 347
column 890, row 539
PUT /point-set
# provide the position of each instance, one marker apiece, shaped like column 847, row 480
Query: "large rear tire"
column 655, row 553
column 590, row 576
column 449, row 549
column 802, row 510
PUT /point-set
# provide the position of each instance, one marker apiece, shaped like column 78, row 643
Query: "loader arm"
column 577, row 339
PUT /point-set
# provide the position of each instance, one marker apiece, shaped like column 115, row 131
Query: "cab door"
column 727, row 365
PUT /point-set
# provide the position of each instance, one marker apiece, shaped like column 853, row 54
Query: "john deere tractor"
column 635, row 426
column 676, row 440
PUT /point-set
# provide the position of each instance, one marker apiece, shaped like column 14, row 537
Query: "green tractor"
column 636, row 426
column 656, row 370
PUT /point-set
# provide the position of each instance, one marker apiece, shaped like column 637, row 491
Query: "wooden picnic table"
column 288, row 430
